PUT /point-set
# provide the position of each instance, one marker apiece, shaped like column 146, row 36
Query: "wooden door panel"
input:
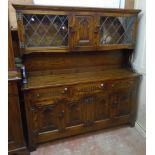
column 102, row 107
column 84, row 31
column 74, row 113
column 120, row 101
column 15, row 135
column 88, row 105
column 124, row 103
column 49, row 117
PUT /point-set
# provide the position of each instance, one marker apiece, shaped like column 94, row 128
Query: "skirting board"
column 140, row 129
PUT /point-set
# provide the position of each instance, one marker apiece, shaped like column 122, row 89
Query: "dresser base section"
column 71, row 131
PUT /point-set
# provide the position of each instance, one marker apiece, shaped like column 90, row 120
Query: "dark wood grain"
column 74, row 60
column 85, row 86
column 16, row 141
column 11, row 63
column 73, row 78
column 65, row 8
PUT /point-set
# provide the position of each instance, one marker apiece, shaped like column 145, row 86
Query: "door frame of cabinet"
column 76, row 27
column 115, row 46
column 21, row 32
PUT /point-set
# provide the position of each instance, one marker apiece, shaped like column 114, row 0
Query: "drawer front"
column 118, row 84
column 52, row 94
column 89, row 88
column 49, row 94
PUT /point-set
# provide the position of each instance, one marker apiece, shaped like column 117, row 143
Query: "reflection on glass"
column 116, row 30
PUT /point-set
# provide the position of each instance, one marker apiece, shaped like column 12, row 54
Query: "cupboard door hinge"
column 19, row 16
column 21, row 44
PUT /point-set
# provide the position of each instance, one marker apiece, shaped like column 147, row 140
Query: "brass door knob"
column 65, row 88
column 102, row 84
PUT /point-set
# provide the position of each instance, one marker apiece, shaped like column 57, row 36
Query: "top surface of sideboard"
column 48, row 80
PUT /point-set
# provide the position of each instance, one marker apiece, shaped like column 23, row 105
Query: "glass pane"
column 45, row 30
column 116, row 30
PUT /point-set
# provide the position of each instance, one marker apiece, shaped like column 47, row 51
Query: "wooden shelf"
column 42, row 81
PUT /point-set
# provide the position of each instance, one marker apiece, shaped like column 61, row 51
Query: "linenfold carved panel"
column 49, row 117
column 74, row 112
column 102, row 107
column 84, row 28
column 120, row 102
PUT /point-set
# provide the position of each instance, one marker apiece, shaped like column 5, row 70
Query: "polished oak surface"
column 66, row 29
column 65, row 8
column 16, row 141
column 39, row 81
column 78, row 69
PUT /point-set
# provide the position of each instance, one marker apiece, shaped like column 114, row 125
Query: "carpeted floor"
column 118, row 141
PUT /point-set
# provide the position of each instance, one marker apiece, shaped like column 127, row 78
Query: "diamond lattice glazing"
column 116, row 30
column 45, row 30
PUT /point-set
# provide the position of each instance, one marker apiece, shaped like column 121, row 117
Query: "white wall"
column 86, row 3
column 139, row 63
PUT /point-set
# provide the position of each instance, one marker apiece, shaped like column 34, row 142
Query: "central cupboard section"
column 60, row 111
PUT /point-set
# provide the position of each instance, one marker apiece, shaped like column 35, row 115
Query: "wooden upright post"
column 129, row 4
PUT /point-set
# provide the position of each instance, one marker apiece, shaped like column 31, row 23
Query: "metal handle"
column 72, row 30
column 89, row 100
column 102, row 84
column 114, row 104
column 97, row 29
column 65, row 88
column 112, row 85
column 61, row 115
column 48, row 110
column 23, row 74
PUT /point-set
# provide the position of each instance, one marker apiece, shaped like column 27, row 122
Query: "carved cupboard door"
column 83, row 31
column 121, row 103
column 88, row 106
column 49, row 117
column 102, row 107
column 74, row 112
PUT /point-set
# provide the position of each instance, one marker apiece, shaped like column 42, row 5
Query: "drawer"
column 128, row 83
column 90, row 88
column 46, row 102
column 49, row 93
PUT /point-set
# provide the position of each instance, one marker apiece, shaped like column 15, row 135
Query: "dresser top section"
column 69, row 8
